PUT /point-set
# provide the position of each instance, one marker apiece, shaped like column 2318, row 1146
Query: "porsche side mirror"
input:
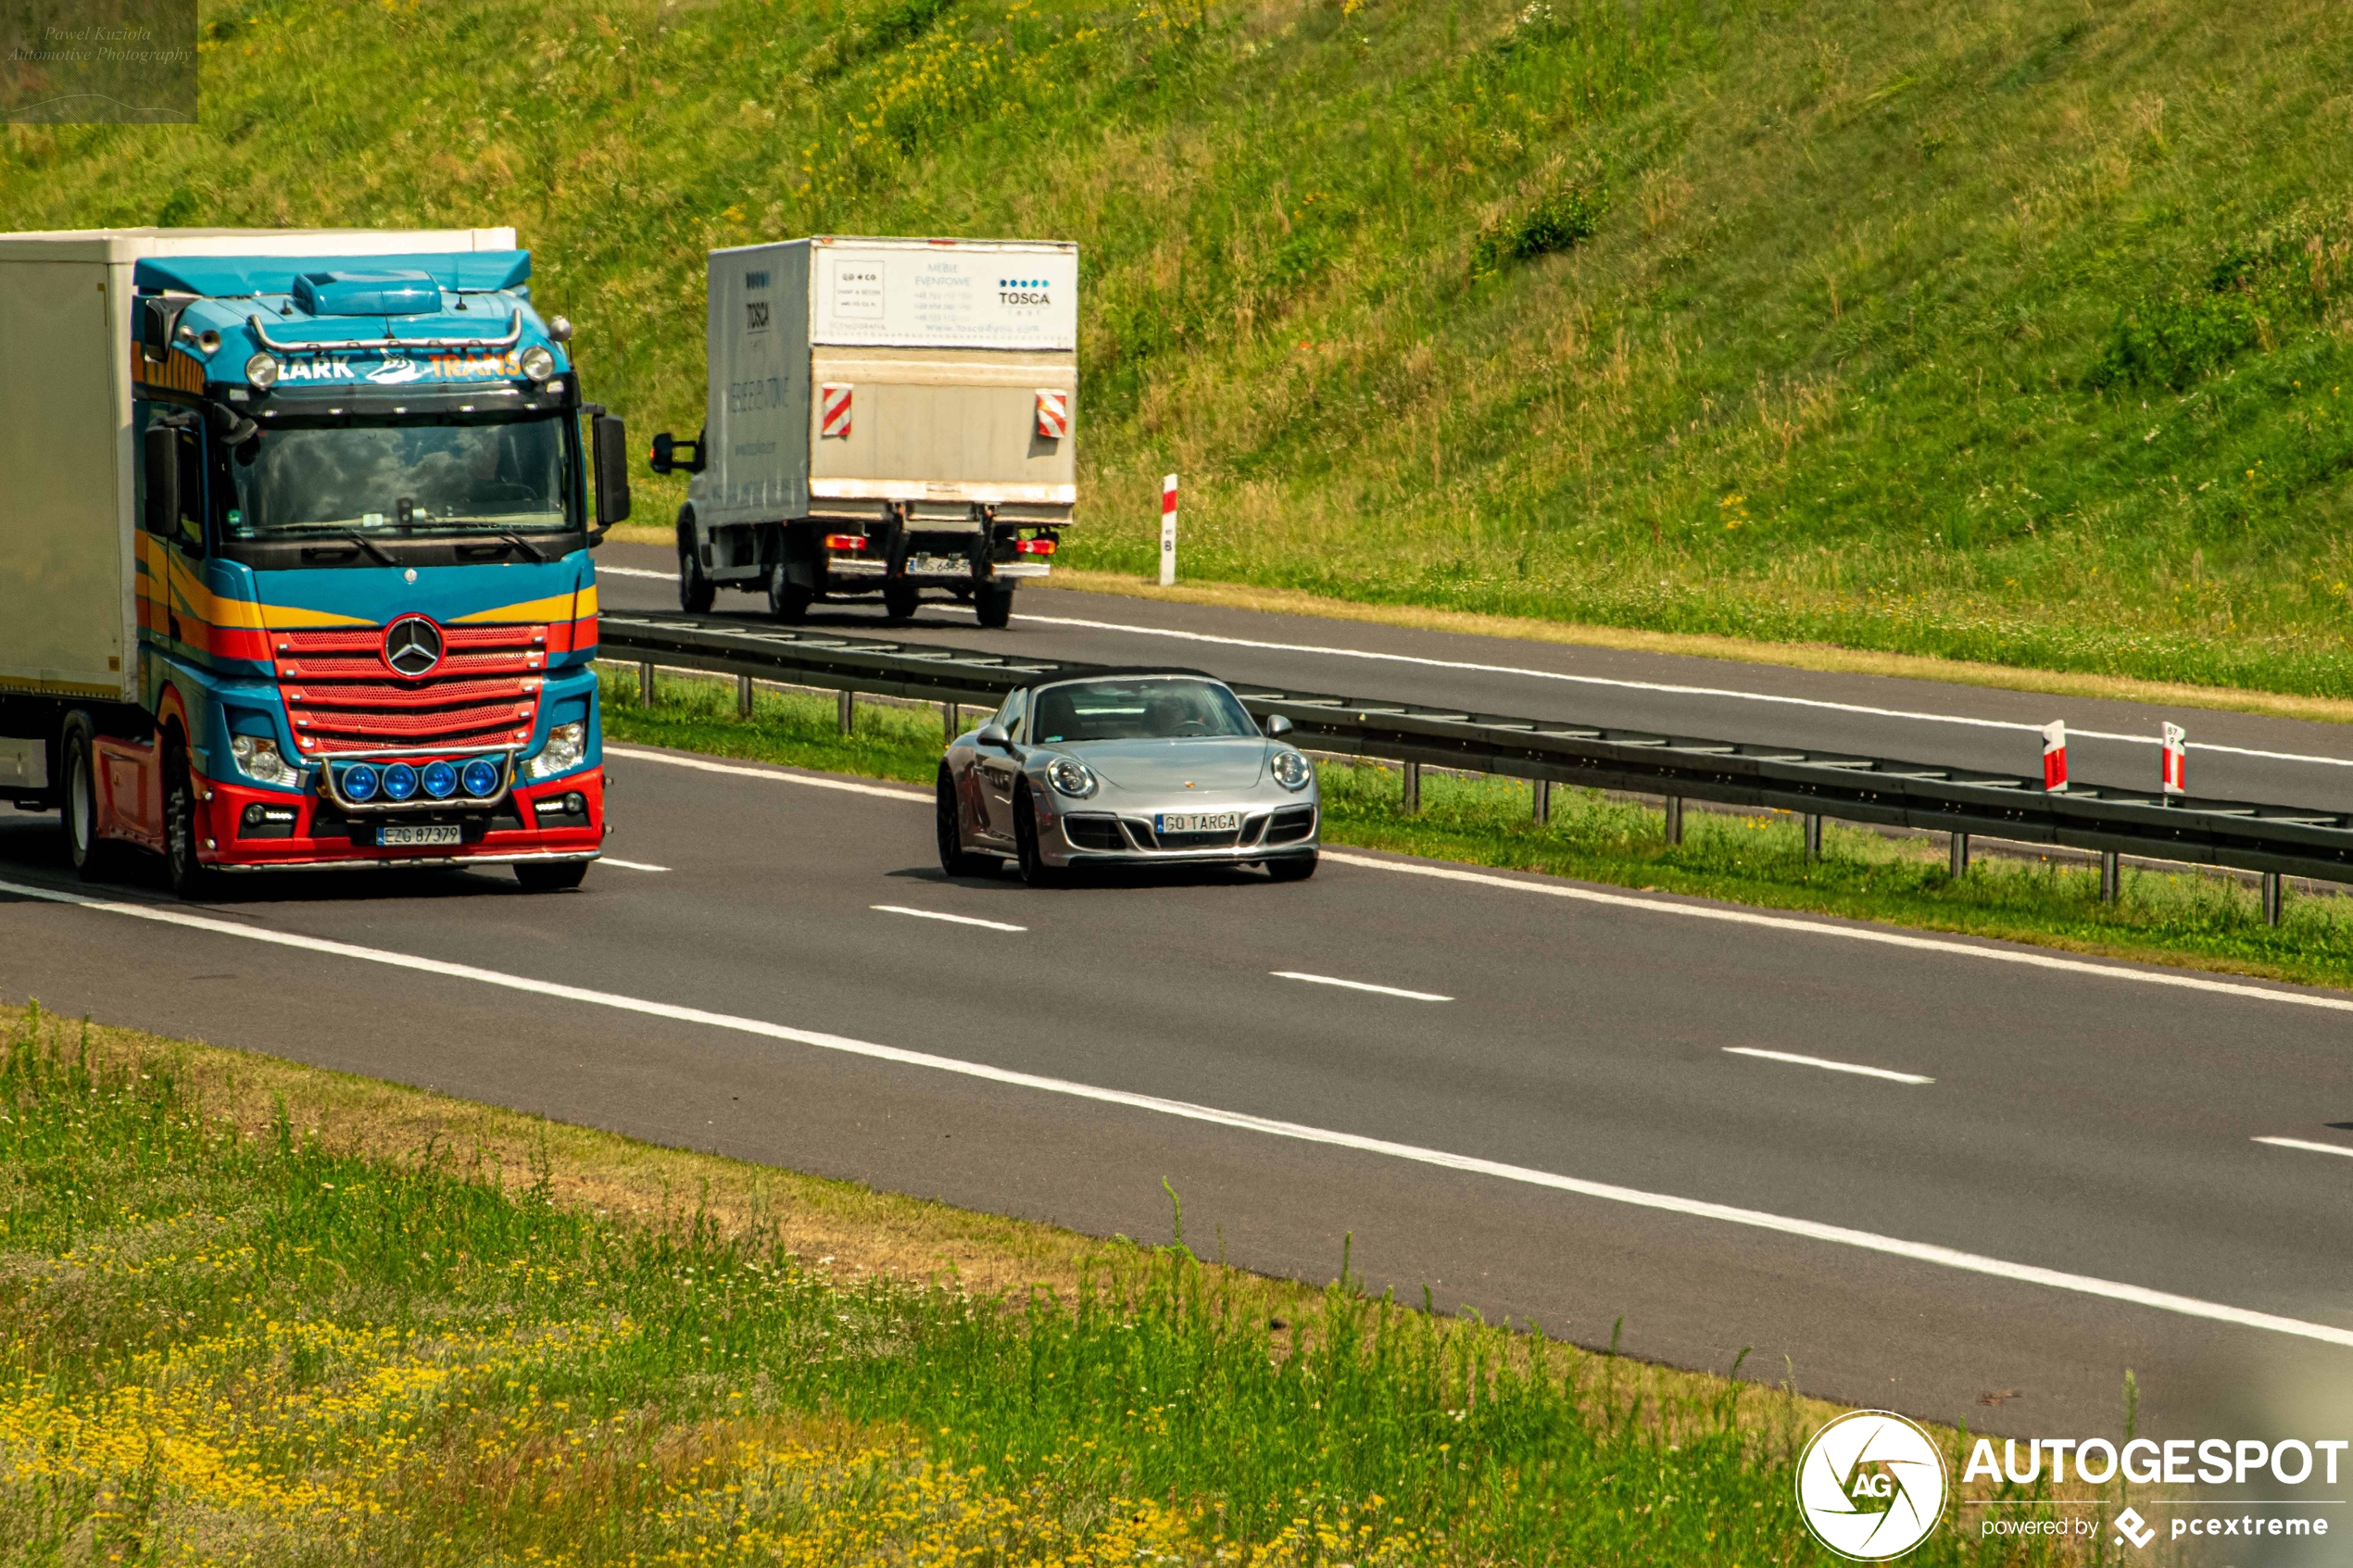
column 1277, row 725
column 993, row 734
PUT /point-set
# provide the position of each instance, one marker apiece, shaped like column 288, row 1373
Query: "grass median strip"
column 2171, row 917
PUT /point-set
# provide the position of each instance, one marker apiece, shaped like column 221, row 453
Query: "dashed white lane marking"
column 952, row 919
column 1837, row 1236
column 1828, row 1065
column 1850, row 932
column 604, row 570
column 772, row 775
column 1664, row 687
column 2308, row 1146
column 1359, row 985
column 628, row 865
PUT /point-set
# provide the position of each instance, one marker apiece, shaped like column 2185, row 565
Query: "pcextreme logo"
column 1872, row 1486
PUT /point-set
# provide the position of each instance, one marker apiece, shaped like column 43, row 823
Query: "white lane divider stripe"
column 628, row 865
column 638, row 754
column 1839, row 1235
column 1849, row 933
column 2309, row 1146
column 1664, row 687
column 1359, row 985
column 1832, row 1066
column 604, row 570
column 952, row 919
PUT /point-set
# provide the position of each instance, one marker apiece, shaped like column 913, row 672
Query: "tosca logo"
column 1023, row 290
column 1872, row 1486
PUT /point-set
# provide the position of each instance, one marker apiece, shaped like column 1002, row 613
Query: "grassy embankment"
column 2015, row 333
column 2165, row 917
column 257, row 1313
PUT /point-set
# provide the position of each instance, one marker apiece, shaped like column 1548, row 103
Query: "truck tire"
column 696, row 591
column 1034, row 868
column 543, row 877
column 954, row 859
column 899, row 600
column 94, row 858
column 993, row 605
column 787, row 601
column 182, row 866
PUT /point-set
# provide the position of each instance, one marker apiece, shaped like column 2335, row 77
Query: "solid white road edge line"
column 1667, row 687
column 628, row 865
column 635, row 754
column 2311, row 1148
column 952, row 919
column 1358, row 985
column 1840, row 1235
column 604, row 570
column 1832, row 1066
column 1848, row 933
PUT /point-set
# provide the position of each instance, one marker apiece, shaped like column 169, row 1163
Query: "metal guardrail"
column 2272, row 840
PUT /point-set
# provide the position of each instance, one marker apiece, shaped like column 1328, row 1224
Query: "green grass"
column 2013, row 333
column 257, row 1348
column 2162, row 916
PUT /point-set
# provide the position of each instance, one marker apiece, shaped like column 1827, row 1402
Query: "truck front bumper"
column 239, row 828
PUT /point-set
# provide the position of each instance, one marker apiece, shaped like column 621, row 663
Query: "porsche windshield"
column 405, row 478
column 1149, row 709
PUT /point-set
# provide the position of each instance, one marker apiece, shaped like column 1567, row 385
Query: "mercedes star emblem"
column 412, row 646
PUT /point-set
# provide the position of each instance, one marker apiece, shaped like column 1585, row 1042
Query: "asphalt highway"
column 2235, row 756
column 1631, row 1107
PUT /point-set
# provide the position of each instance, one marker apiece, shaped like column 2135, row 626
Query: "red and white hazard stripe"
column 1168, row 531
column 1053, row 413
column 2055, row 755
column 2173, row 769
column 833, row 409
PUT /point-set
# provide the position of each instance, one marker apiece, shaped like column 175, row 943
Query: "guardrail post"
column 1412, row 789
column 2274, row 896
column 743, row 696
column 849, row 712
column 646, row 684
column 951, row 721
column 1673, row 819
column 1960, row 855
column 1813, row 837
column 1543, row 792
column 2111, row 877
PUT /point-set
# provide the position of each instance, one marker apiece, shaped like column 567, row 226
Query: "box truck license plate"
column 1197, row 821
column 427, row 832
column 938, row 566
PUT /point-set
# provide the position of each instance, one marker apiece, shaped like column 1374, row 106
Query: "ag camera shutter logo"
column 1872, row 1486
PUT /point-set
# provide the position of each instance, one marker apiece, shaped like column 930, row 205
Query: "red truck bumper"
column 241, row 829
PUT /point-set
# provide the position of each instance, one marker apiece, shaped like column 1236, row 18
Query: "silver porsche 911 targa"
column 1126, row 767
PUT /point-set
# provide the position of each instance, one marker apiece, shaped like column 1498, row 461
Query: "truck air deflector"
column 227, row 277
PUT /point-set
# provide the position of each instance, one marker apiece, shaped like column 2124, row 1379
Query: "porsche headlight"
column 1291, row 770
column 258, row 759
column 1070, row 778
column 566, row 745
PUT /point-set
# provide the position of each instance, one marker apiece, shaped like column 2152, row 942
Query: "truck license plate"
column 1197, row 821
column 938, row 566
column 426, row 833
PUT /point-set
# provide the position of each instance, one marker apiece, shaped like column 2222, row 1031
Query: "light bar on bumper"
column 388, row 782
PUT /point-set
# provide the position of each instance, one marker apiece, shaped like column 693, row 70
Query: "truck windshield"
column 1147, row 710
column 506, row 476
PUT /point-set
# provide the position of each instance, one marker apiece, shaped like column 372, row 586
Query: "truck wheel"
column 899, row 600
column 954, row 859
column 94, row 858
column 787, row 601
column 188, row 875
column 550, row 877
column 1034, row 868
column 696, row 591
column 993, row 606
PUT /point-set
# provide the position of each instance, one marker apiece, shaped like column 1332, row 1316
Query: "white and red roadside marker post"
column 2055, row 755
column 2173, row 763
column 1168, row 531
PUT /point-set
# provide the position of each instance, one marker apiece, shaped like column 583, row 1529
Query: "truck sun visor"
column 225, row 277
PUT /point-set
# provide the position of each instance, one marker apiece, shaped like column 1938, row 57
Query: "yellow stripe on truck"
column 557, row 607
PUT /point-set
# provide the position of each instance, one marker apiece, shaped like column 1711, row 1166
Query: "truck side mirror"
column 612, row 460
column 664, row 444
column 156, row 320
column 1279, row 725
column 160, row 454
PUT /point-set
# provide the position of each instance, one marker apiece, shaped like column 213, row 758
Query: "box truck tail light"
column 845, row 541
column 1035, row 548
column 833, row 404
column 1053, row 413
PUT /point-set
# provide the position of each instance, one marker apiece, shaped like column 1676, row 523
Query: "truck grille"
column 341, row 696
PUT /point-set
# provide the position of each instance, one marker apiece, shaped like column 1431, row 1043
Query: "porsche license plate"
column 423, row 832
column 1198, row 822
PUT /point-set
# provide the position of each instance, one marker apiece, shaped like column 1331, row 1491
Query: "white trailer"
column 884, row 416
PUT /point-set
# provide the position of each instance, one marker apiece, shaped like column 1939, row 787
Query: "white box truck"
column 884, row 416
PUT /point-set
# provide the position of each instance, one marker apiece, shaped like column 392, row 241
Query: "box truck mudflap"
column 884, row 416
column 297, row 571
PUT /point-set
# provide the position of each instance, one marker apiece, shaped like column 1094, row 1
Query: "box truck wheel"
column 95, row 858
column 899, row 600
column 788, row 600
column 696, row 591
column 993, row 604
column 189, row 876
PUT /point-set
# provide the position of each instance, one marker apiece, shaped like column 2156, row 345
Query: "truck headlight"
column 262, row 372
column 258, row 759
column 1291, row 770
column 1070, row 778
column 566, row 745
column 538, row 363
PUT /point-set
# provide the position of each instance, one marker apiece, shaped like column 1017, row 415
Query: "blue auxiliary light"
column 480, row 777
column 440, row 780
column 360, row 781
column 401, row 782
